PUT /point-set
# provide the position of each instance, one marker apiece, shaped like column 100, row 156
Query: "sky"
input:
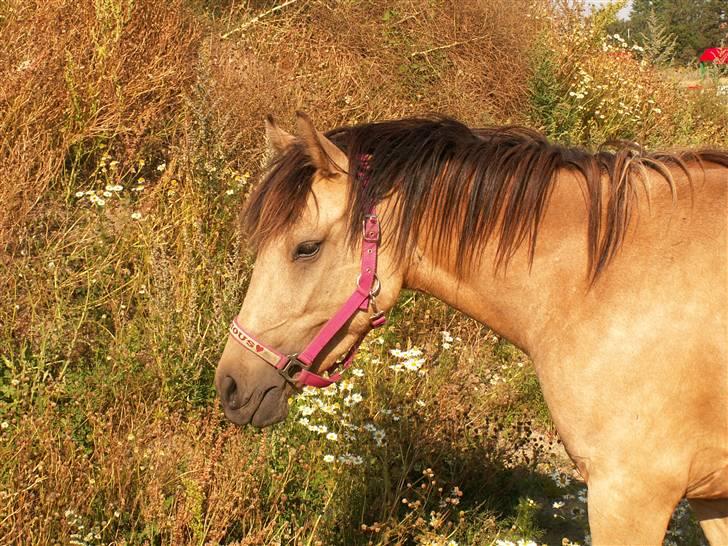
column 623, row 14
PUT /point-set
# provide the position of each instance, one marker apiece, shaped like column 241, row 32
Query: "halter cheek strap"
column 296, row 368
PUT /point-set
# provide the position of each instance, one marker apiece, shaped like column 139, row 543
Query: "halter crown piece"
column 364, row 296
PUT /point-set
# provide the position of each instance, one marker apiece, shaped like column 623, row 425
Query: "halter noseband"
column 367, row 288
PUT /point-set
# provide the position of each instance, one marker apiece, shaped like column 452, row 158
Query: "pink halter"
column 367, row 288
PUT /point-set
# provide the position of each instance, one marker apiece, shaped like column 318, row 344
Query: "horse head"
column 316, row 288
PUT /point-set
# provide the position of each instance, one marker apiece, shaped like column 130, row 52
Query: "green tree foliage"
column 696, row 24
column 660, row 45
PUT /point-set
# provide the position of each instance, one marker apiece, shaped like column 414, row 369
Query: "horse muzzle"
column 257, row 397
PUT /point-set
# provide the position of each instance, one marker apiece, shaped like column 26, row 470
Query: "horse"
column 607, row 268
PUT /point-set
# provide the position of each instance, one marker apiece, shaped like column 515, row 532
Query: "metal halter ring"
column 376, row 285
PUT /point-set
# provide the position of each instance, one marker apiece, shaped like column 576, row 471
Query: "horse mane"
column 453, row 184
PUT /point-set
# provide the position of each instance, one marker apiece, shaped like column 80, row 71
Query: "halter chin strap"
column 296, row 368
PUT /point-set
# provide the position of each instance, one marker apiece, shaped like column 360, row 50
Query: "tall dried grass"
column 352, row 62
column 77, row 78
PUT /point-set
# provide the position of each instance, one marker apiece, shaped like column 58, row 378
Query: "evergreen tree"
column 659, row 44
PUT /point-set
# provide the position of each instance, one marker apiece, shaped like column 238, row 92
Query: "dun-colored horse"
column 608, row 269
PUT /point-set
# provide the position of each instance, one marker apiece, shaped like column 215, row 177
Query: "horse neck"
column 518, row 301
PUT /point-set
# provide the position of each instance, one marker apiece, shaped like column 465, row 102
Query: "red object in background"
column 717, row 55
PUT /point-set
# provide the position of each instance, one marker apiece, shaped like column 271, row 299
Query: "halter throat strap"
column 296, row 368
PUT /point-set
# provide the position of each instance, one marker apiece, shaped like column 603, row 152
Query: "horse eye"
column 309, row 249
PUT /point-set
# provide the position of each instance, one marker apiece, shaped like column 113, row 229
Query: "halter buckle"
column 292, row 366
column 370, row 235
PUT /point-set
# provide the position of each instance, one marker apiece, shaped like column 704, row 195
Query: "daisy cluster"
column 326, row 412
column 410, row 360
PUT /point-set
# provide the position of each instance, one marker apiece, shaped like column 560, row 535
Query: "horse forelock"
column 280, row 198
column 456, row 188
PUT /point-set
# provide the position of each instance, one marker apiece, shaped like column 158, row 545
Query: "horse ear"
column 277, row 139
column 326, row 156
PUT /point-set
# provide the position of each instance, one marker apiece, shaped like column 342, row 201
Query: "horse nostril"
column 229, row 393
